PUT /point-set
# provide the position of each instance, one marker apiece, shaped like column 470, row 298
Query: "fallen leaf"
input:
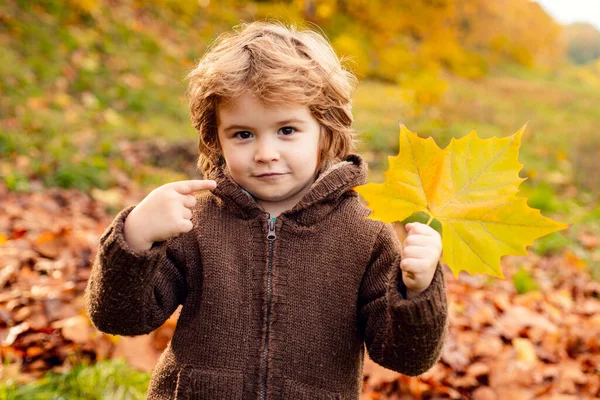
column 76, row 329
column 525, row 351
column 14, row 332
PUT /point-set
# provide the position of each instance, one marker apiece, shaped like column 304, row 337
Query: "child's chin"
column 274, row 197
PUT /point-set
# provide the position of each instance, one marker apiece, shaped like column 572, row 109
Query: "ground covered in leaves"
column 534, row 335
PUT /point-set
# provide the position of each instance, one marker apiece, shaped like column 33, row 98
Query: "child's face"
column 272, row 152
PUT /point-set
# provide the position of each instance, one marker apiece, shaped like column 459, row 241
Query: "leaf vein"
column 496, row 238
column 412, row 153
column 472, row 250
column 476, row 176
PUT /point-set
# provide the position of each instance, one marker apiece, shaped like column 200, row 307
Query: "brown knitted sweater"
column 277, row 311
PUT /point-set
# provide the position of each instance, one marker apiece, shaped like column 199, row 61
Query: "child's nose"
column 266, row 151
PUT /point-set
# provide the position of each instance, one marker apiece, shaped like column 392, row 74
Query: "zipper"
column 271, row 236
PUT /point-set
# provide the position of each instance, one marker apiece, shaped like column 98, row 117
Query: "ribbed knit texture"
column 334, row 287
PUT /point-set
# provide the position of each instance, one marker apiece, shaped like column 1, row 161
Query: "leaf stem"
column 430, row 219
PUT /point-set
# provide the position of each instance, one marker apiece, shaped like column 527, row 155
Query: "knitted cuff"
column 429, row 307
column 119, row 255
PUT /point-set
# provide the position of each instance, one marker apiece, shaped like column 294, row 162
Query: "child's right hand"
column 166, row 212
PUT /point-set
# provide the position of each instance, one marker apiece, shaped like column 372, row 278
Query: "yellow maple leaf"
column 470, row 187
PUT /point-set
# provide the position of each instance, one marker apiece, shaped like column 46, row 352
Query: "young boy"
column 282, row 277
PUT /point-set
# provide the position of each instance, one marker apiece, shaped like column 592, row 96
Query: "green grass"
column 79, row 84
column 112, row 379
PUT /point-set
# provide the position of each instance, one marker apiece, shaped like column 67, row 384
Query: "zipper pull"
column 271, row 235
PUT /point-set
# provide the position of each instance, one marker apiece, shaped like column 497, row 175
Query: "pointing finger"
column 191, row 186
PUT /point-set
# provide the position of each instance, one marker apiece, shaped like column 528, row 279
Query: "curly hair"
column 279, row 64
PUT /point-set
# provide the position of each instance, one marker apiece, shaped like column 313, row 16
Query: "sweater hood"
column 334, row 182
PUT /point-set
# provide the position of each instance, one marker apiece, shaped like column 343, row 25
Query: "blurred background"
column 93, row 116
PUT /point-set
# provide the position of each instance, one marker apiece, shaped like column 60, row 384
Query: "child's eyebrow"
column 285, row 121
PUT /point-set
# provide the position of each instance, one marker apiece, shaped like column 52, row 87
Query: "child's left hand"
column 421, row 252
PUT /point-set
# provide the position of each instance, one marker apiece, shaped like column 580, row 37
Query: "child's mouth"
column 269, row 175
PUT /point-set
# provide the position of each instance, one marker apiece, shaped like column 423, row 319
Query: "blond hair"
column 280, row 64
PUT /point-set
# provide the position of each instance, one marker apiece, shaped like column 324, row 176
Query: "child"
column 282, row 277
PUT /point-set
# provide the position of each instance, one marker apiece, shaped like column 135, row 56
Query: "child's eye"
column 243, row 135
column 287, row 130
